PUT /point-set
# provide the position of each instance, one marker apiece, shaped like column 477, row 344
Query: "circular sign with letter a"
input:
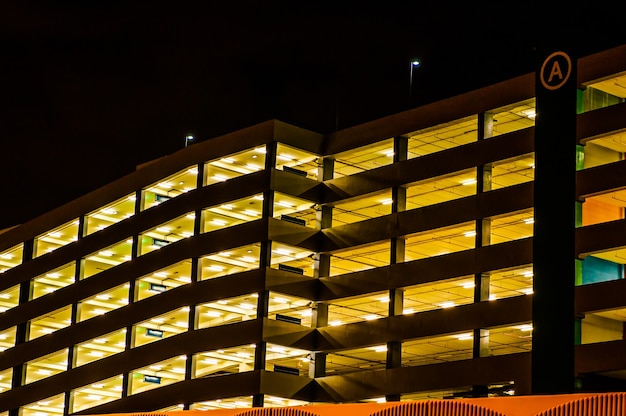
column 555, row 70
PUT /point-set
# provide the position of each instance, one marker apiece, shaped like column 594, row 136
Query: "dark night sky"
column 90, row 89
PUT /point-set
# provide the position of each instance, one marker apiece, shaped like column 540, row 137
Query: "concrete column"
column 480, row 343
column 317, row 363
column 553, row 369
column 323, row 219
column 397, row 255
column 22, row 331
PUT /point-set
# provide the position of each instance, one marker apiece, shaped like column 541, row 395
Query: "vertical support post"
column 480, row 339
column 397, row 255
column 258, row 400
column 129, row 338
column 68, row 403
column 260, row 352
column 317, row 365
column 196, row 271
column 22, row 331
column 68, row 400
column 319, row 318
column 554, row 227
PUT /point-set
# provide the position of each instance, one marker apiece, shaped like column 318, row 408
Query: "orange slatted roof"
column 583, row 404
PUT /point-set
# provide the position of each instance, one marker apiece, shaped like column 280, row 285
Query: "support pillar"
column 22, row 331
column 397, row 255
column 319, row 318
column 480, row 338
column 553, row 369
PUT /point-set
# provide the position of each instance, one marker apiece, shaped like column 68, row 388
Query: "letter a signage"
column 555, row 71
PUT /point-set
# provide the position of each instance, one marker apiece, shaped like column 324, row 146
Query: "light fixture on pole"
column 188, row 138
column 412, row 65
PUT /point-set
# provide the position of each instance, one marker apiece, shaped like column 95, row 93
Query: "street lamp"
column 188, row 138
column 412, row 65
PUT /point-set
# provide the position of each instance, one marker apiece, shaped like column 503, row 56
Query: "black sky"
column 90, row 89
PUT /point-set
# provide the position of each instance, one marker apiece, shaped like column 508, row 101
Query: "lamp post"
column 412, row 65
column 188, row 138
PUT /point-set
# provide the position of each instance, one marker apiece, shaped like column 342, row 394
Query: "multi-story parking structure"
column 275, row 266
